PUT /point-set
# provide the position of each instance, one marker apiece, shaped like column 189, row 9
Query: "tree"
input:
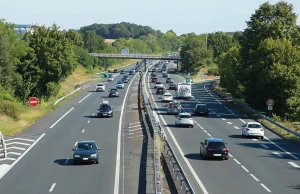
column 219, row 42
column 50, row 61
column 92, row 42
column 75, row 37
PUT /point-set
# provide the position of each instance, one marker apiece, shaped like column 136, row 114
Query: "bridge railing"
column 134, row 56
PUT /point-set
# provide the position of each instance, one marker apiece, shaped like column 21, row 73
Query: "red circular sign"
column 33, row 101
column 270, row 102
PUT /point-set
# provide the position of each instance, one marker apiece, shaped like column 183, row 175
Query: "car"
column 105, row 110
column 153, row 75
column 122, row 71
column 160, row 90
column 131, row 72
column 125, row 79
column 113, row 92
column 184, row 119
column 115, row 70
column 154, row 80
column 165, row 75
column 174, row 107
column 86, row 151
column 100, row 87
column 157, row 84
column 169, row 80
column 120, row 84
column 110, row 77
column 164, row 71
column 201, row 109
column 166, row 97
column 214, row 147
column 173, row 86
column 254, row 129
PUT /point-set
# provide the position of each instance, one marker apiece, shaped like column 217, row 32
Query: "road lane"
column 273, row 171
column 50, row 161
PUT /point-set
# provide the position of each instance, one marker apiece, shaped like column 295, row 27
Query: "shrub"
column 213, row 71
column 11, row 109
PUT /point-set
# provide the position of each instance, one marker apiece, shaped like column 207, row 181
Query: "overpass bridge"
column 144, row 57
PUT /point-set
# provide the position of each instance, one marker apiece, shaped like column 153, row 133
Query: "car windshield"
column 114, row 90
column 216, row 145
column 254, row 126
column 105, row 108
column 185, row 116
column 86, row 146
column 99, row 84
column 119, row 82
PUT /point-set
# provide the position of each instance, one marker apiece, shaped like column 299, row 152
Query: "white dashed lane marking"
column 264, row 146
column 236, row 127
column 229, row 123
column 264, row 186
column 223, row 119
column 277, row 154
column 236, row 161
column 52, row 187
column 294, row 165
column 254, row 177
column 88, row 121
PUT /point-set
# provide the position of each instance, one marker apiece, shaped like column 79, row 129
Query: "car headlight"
column 93, row 155
column 76, row 156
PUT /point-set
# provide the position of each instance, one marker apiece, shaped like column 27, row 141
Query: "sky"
column 198, row 16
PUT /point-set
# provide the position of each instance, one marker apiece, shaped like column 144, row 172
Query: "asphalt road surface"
column 47, row 165
column 260, row 166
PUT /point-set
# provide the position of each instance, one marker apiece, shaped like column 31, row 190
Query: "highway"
column 260, row 166
column 47, row 165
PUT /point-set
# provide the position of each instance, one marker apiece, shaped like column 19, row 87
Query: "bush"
column 11, row 109
column 213, row 71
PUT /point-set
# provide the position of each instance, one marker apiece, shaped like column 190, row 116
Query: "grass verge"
column 295, row 126
column 10, row 126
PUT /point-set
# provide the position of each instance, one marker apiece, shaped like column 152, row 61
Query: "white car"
column 164, row 72
column 120, row 84
column 110, row 77
column 158, row 84
column 253, row 129
column 184, row 119
column 166, row 97
column 100, row 87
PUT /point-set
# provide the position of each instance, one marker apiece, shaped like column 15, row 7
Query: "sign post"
column 33, row 101
column 270, row 104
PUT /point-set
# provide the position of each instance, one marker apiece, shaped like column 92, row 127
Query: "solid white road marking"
column 19, row 139
column 277, row 154
column 117, row 171
column 229, row 110
column 264, row 146
column 66, row 161
column 134, row 129
column 242, row 120
column 180, row 150
column 134, row 123
column 88, row 121
column 16, row 148
column 84, row 98
column 281, row 148
column 135, row 133
column 236, row 161
column 16, row 161
column 229, row 123
column 223, row 119
column 254, row 139
column 52, row 187
column 61, row 117
column 14, row 153
column 236, row 127
column 82, row 131
column 20, row 143
column 2, row 159
column 294, row 165
column 254, row 177
column 264, row 186
column 75, row 143
column 245, row 168
column 134, row 126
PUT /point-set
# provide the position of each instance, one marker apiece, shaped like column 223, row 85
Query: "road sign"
column 33, row 101
column 103, row 75
column 270, row 107
column 270, row 102
column 189, row 80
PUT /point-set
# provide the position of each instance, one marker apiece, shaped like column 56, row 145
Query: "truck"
column 184, row 90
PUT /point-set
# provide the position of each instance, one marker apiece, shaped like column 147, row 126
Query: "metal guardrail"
column 156, row 127
column 3, row 146
column 257, row 113
column 136, row 56
column 57, row 101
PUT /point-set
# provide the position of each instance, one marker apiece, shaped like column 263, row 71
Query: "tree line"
column 36, row 63
column 262, row 62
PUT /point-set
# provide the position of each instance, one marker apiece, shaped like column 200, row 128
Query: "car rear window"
column 159, row 89
column 158, row 82
column 119, row 82
column 216, row 145
column 99, row 84
column 185, row 116
column 254, row 126
column 113, row 90
column 168, row 95
column 110, row 76
column 201, row 107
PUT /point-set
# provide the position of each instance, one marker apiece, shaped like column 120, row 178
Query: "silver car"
column 184, row 119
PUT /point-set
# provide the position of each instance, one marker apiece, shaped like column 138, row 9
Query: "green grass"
column 10, row 126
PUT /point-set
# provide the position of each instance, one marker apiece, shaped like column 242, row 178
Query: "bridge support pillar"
column 145, row 65
column 177, row 61
column 105, row 64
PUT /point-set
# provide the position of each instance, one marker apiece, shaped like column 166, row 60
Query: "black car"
column 169, row 80
column 125, row 79
column 214, row 147
column 115, row 70
column 122, row 71
column 160, row 90
column 105, row 110
column 131, row 73
column 113, row 92
column 201, row 109
column 86, row 151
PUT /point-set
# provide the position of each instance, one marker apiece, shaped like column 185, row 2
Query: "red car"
column 154, row 79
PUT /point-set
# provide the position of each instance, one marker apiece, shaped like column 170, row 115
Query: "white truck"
column 184, row 90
